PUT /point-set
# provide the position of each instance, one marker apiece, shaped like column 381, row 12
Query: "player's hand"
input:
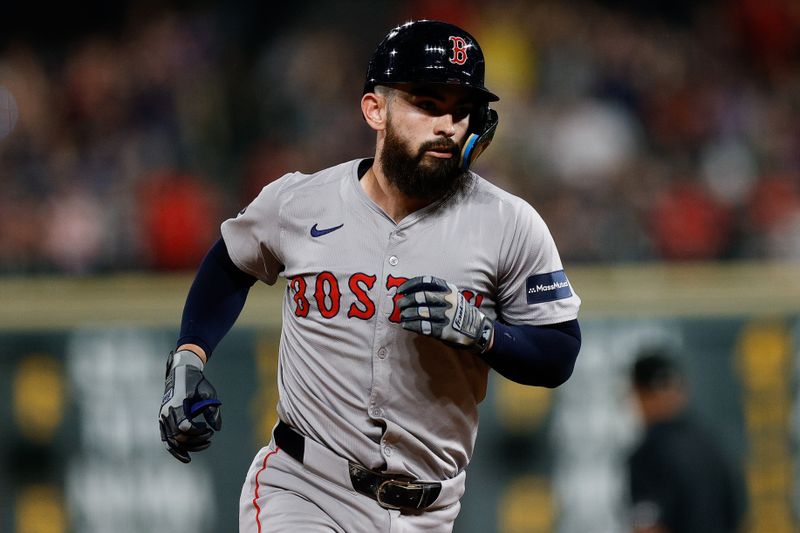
column 433, row 307
column 190, row 410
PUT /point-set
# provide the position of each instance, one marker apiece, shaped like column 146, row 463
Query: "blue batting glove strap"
column 190, row 409
column 433, row 307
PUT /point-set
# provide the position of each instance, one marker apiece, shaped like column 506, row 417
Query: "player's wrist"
column 186, row 357
column 196, row 349
column 485, row 339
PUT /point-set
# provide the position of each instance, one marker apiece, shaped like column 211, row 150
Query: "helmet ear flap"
column 482, row 127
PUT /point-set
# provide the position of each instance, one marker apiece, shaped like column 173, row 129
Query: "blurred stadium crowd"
column 640, row 134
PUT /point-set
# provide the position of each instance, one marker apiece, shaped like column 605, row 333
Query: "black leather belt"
column 391, row 492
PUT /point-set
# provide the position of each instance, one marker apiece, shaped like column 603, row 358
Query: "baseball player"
column 408, row 278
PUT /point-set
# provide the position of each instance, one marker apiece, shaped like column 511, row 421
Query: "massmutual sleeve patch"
column 547, row 287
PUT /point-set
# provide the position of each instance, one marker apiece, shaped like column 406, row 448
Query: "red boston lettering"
column 327, row 300
column 298, row 285
column 392, row 283
column 359, row 284
column 328, row 296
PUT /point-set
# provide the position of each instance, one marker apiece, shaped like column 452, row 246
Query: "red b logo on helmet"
column 459, row 50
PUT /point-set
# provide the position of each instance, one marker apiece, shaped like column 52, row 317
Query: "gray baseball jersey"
column 350, row 377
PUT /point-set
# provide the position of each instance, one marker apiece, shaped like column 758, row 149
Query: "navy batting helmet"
column 429, row 51
column 434, row 52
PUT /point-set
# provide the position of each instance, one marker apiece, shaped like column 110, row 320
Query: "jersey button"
column 393, row 260
column 377, row 412
column 387, row 451
column 382, row 353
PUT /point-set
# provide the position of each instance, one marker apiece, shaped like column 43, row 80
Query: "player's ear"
column 374, row 108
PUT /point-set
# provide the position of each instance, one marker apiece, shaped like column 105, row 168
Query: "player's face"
column 426, row 127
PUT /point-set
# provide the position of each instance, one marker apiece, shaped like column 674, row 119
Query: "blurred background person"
column 680, row 481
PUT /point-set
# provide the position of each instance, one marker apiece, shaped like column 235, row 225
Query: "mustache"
column 440, row 145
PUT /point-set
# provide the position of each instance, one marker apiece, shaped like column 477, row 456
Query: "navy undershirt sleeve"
column 216, row 298
column 535, row 355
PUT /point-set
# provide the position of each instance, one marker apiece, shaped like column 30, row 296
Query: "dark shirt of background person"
column 680, row 481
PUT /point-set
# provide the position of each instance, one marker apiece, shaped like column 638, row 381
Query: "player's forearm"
column 215, row 300
column 535, row 355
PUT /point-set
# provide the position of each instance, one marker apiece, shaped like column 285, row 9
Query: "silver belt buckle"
column 397, row 483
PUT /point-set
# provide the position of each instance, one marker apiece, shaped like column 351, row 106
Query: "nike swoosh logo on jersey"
column 320, row 232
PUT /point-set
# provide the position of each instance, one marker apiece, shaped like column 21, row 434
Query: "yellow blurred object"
column 766, row 351
column 510, row 57
column 521, row 408
column 765, row 366
column 38, row 395
column 527, row 506
column 40, row 509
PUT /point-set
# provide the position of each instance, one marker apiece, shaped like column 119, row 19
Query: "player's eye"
column 462, row 113
column 427, row 105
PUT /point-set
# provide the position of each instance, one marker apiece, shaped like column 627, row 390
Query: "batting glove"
column 433, row 307
column 190, row 410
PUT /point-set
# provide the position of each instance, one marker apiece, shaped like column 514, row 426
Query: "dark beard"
column 430, row 180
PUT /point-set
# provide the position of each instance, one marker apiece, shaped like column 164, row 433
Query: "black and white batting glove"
column 190, row 410
column 433, row 307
